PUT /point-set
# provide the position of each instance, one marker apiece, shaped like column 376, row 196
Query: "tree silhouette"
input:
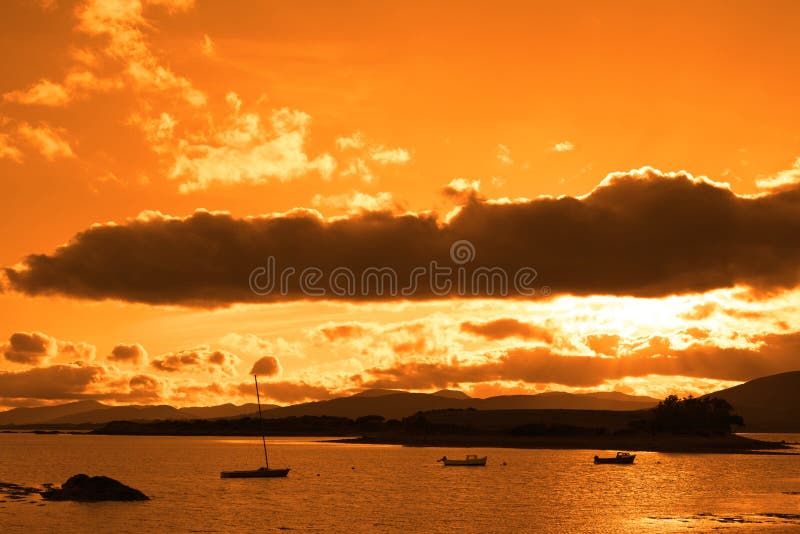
column 694, row 415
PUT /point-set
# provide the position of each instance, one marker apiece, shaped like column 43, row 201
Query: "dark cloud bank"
column 642, row 234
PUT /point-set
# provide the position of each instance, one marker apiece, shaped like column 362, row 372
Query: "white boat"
column 261, row 472
column 470, row 460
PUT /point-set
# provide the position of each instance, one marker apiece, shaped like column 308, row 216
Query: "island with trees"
column 691, row 424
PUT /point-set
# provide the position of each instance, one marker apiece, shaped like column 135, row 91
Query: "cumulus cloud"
column 201, row 358
column 36, row 348
column 508, row 327
column 54, row 382
column 461, row 188
column 287, row 392
column 30, row 348
column 335, row 332
column 145, row 387
column 78, row 381
column 642, row 233
column 541, row 365
column 128, row 353
column 266, row 366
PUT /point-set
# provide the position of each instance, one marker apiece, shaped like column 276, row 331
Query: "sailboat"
column 261, row 472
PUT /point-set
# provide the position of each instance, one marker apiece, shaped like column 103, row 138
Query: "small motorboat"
column 620, row 458
column 470, row 460
column 262, row 472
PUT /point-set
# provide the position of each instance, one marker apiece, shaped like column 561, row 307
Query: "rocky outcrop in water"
column 15, row 492
column 89, row 489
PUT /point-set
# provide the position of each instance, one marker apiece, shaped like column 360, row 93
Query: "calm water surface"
column 368, row 488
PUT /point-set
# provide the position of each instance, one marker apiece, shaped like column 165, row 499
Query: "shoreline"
column 674, row 444
column 732, row 444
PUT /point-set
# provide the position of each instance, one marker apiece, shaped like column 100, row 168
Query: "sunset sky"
column 643, row 158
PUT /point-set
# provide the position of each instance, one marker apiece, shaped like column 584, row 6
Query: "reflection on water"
column 358, row 488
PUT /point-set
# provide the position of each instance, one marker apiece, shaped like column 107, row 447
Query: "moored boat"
column 470, row 460
column 620, row 458
column 261, row 472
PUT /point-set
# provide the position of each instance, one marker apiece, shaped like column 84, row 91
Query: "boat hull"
column 465, row 463
column 626, row 460
column 256, row 473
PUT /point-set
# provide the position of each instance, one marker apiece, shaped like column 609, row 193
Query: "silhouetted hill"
column 120, row 413
column 616, row 395
column 376, row 392
column 767, row 404
column 42, row 414
column 224, row 410
column 445, row 393
column 89, row 411
column 390, row 406
column 393, row 405
column 451, row 394
column 557, row 400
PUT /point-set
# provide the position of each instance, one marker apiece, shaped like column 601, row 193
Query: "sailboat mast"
column 261, row 423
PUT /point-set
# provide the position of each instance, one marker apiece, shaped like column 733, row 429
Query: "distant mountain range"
column 93, row 412
column 391, row 404
column 768, row 404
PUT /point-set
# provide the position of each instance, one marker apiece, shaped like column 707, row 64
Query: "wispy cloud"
column 118, row 25
column 76, row 85
column 504, row 154
column 357, row 201
column 385, row 156
column 350, row 142
column 8, row 150
column 48, row 141
column 209, row 48
column 244, row 149
column 563, row 146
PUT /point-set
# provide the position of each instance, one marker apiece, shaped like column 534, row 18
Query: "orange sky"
column 111, row 108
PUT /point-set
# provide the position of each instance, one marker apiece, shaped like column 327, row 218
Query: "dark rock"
column 88, row 489
column 15, row 491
